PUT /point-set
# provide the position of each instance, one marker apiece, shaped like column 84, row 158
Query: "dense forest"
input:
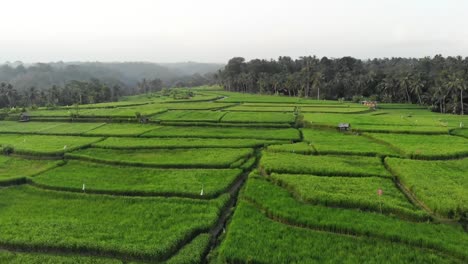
column 439, row 83
column 53, row 84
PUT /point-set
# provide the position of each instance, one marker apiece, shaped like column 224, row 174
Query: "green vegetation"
column 41, row 258
column 225, row 132
column 166, row 158
column 253, row 238
column 278, row 204
column 161, row 177
column 258, row 117
column 348, row 192
column 47, row 145
column 441, row 185
column 34, row 219
column 427, row 146
column 150, row 143
column 299, row 147
column 192, row 252
column 14, row 169
column 46, row 127
column 332, row 142
column 323, row 165
column 121, row 130
column 461, row 132
column 99, row 178
column 190, row 116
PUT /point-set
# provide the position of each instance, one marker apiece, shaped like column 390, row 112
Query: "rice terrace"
column 228, row 177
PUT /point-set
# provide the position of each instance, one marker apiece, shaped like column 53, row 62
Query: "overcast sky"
column 216, row 30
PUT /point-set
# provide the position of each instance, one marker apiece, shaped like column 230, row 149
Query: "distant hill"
column 127, row 74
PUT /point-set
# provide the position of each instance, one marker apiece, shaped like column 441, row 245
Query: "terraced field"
column 224, row 177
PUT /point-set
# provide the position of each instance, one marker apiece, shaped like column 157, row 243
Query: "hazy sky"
column 216, row 30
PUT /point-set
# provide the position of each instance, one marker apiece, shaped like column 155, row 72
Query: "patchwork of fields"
column 225, row 177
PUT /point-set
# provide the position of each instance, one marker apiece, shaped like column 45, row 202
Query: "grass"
column 323, row 165
column 233, row 97
column 46, row 127
column 128, row 130
column 146, row 228
column 225, row 132
column 166, row 158
column 190, row 116
column 121, row 180
column 258, row 117
column 441, row 185
column 14, row 168
column 45, row 145
column 461, row 132
column 278, row 204
column 299, row 147
column 260, row 108
column 41, row 258
column 391, row 120
column 192, row 252
column 155, row 143
column 253, row 238
column 195, row 106
column 426, row 146
column 333, row 142
column 350, row 193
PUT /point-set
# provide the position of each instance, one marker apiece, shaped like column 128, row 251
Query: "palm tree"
column 405, row 84
column 317, row 82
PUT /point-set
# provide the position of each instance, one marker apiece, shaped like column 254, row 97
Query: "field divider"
column 209, row 196
column 223, row 124
column 20, row 180
column 91, row 251
column 143, row 164
column 223, row 221
column 404, row 216
column 412, row 198
column 13, row 181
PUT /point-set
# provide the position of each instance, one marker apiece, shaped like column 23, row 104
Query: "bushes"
column 7, row 149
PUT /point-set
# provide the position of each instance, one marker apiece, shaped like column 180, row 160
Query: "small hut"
column 370, row 104
column 144, row 120
column 344, row 126
column 24, row 117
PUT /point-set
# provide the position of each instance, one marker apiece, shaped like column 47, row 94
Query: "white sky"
column 216, row 30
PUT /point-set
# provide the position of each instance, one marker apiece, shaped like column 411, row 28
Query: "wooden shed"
column 24, row 117
column 344, row 126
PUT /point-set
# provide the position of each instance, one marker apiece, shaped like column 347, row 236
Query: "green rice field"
column 222, row 177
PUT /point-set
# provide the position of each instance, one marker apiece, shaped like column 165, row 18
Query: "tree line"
column 437, row 82
column 74, row 92
column 59, row 84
